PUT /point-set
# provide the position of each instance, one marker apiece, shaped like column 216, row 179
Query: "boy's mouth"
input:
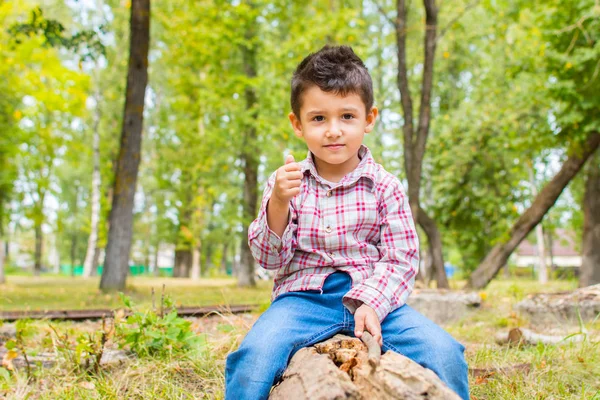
column 334, row 146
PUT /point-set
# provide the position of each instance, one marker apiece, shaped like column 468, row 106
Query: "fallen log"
column 340, row 368
column 485, row 373
column 520, row 336
column 563, row 307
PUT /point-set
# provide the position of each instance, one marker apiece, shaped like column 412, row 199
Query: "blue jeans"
column 301, row 319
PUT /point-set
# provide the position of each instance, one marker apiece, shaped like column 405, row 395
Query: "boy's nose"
column 334, row 130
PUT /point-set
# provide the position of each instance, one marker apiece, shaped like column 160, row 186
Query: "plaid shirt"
column 361, row 225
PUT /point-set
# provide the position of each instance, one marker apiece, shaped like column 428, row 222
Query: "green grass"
column 564, row 371
column 57, row 292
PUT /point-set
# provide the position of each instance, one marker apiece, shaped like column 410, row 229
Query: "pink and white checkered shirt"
column 361, row 225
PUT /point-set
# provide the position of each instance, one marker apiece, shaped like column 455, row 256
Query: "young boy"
column 338, row 230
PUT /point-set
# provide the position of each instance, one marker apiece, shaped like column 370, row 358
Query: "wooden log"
column 340, row 368
column 519, row 336
column 563, row 307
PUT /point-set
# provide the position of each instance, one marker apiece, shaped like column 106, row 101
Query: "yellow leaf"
column 446, row 54
column 568, row 65
column 18, row 114
column 7, row 359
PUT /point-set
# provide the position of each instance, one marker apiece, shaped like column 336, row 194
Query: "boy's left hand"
column 365, row 317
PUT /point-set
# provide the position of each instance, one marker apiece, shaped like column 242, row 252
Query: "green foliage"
column 151, row 334
column 87, row 351
column 86, row 42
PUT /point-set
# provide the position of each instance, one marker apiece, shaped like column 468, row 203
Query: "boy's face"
column 333, row 127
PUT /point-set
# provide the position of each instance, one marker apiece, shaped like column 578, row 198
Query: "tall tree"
column 250, row 152
column 91, row 255
column 116, row 264
column 590, row 265
column 566, row 36
column 415, row 138
column 545, row 199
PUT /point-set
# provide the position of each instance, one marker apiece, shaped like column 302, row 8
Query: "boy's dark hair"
column 334, row 69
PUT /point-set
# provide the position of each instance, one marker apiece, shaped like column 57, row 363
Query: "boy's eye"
column 319, row 118
column 347, row 116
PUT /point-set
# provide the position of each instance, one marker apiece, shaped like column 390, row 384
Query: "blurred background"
column 503, row 99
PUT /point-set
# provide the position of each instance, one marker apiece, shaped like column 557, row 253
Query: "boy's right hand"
column 287, row 181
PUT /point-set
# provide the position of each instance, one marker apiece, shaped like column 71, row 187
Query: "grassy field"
column 564, row 371
column 59, row 292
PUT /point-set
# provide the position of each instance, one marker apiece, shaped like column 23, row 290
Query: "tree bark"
column 2, row 258
column 116, row 264
column 250, row 159
column 73, row 252
column 91, row 254
column 415, row 141
column 156, row 271
column 435, row 244
column 196, row 268
column 539, row 236
column 223, row 265
column 37, row 266
column 183, row 263
column 590, row 265
column 499, row 254
column 344, row 368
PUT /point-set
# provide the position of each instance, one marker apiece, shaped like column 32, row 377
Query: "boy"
column 338, row 230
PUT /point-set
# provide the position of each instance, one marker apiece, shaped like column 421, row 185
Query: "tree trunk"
column 121, row 214
column 196, row 268
column 415, row 140
column 37, row 266
column 2, row 258
column 435, row 243
column 156, row 270
column 223, row 265
column 590, row 265
column 344, row 368
column 499, row 254
column 183, row 263
column 73, row 252
column 539, row 235
column 250, row 159
column 91, row 254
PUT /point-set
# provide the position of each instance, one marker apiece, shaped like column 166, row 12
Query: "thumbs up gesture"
column 287, row 181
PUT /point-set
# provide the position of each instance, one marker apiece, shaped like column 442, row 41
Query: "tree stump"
column 558, row 308
column 343, row 368
column 443, row 306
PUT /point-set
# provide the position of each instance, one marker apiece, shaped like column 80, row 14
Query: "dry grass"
column 565, row 371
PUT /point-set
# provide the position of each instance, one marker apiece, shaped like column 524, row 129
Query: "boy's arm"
column 270, row 249
column 394, row 274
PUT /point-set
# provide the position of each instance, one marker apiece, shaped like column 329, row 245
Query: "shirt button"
column 329, row 193
column 328, row 229
column 331, row 255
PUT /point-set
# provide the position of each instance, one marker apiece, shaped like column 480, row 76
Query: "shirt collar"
column 366, row 168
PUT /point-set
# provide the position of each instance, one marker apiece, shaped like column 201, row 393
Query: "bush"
column 148, row 333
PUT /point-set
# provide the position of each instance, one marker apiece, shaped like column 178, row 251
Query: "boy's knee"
column 448, row 351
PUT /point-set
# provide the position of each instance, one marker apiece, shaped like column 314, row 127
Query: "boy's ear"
column 371, row 118
column 296, row 124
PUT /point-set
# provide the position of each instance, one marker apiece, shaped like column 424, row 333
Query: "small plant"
column 17, row 345
column 148, row 333
column 88, row 350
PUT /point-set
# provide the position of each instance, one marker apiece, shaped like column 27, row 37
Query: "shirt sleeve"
column 269, row 250
column 394, row 274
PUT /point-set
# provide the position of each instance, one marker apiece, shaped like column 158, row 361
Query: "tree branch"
column 425, row 108
column 384, row 15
